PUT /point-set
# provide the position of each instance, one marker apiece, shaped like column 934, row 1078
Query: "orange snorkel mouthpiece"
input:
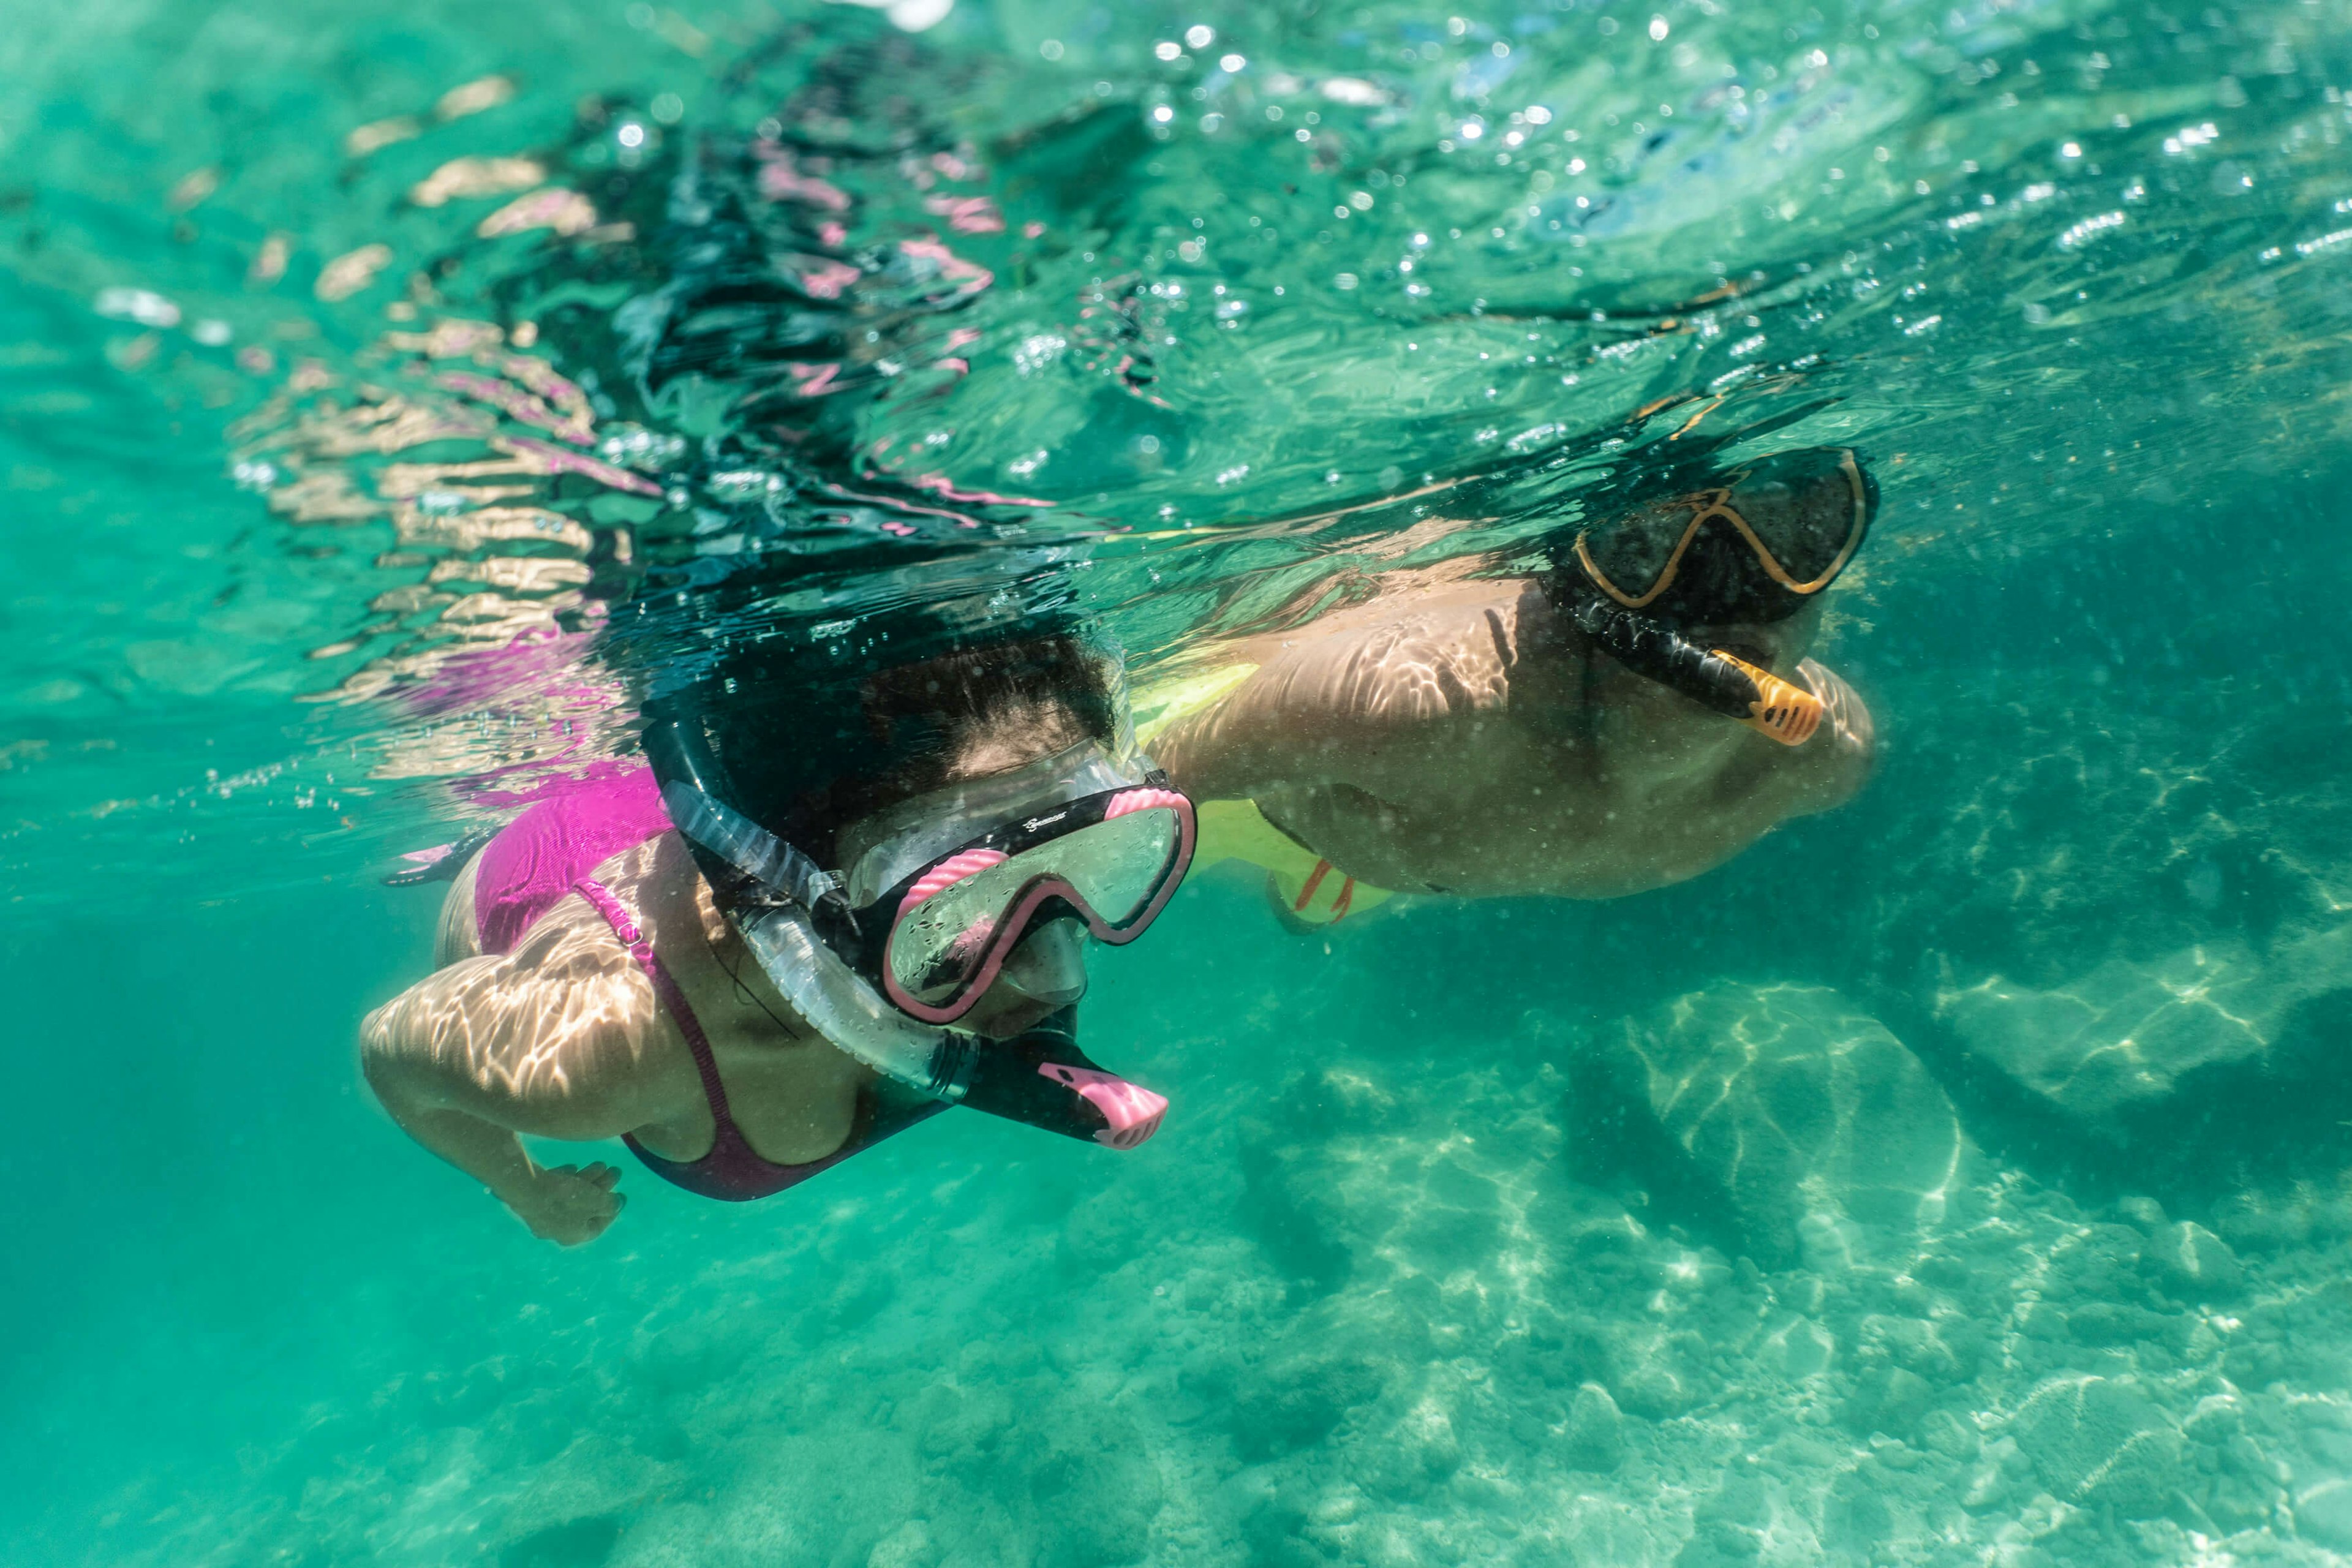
column 1782, row 710
column 1722, row 681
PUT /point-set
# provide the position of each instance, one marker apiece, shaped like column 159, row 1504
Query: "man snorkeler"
column 659, row 958
column 1635, row 716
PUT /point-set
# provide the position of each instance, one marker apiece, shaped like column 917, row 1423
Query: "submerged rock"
column 1793, row 1110
column 1656, row 1389
column 1294, row 1401
column 1947, row 1435
column 1800, row 1348
column 908, row 1546
column 2323, row 1514
column 1726, row 1525
column 2127, row 1034
column 2098, row 1443
column 1856, row 1518
column 2191, row 1261
column 1596, row 1431
column 2282, row 1221
column 1891, row 1400
column 1115, row 1492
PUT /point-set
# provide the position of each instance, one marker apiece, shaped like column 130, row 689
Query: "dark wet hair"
column 932, row 719
column 809, row 743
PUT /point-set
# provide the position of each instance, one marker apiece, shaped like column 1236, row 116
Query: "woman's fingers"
column 578, row 1203
column 601, row 1173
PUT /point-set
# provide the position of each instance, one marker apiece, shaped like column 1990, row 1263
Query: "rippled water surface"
column 376, row 380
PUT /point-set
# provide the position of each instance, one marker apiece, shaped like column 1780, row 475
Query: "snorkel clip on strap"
column 770, row 863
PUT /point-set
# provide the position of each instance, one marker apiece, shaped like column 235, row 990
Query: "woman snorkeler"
column 849, row 883
column 658, row 957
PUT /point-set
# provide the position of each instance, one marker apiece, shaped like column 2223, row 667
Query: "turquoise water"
column 1425, row 1268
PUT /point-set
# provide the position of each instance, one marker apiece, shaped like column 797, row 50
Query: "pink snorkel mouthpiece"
column 1042, row 1079
column 1133, row 1111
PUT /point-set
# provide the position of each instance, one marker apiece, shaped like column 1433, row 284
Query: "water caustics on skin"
column 1959, row 1177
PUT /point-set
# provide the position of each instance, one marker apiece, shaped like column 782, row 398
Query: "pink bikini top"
column 547, row 854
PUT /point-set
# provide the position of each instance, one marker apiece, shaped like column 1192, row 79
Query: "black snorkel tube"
column 795, row 920
column 1780, row 710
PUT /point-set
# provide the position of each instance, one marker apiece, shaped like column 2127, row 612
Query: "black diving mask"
column 1756, row 548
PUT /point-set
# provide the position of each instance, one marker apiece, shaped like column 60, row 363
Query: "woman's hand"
column 487, row 1047
column 569, row 1205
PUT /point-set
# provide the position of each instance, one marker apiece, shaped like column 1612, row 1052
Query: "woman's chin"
column 1004, row 1018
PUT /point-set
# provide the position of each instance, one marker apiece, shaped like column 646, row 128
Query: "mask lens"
column 1114, row 867
column 1786, row 526
column 1807, row 510
column 1631, row 553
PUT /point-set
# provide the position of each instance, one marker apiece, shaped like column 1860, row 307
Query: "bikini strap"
column 666, row 988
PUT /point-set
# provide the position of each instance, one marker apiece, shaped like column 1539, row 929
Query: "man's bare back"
column 1467, row 739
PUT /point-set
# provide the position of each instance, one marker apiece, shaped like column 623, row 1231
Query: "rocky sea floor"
column 1727, row 1280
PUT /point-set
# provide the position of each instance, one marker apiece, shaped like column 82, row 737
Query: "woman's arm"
column 552, row 1040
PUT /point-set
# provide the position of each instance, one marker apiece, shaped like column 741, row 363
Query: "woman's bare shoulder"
column 562, row 1035
column 459, row 934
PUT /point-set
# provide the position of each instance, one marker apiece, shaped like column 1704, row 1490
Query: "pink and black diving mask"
column 1076, row 841
column 937, row 939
